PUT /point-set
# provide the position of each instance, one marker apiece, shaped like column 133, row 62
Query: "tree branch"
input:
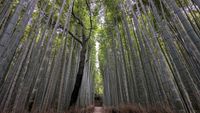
column 75, row 37
column 77, row 18
column 90, row 14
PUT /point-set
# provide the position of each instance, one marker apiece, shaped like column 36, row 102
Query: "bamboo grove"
column 148, row 54
column 43, row 49
column 151, row 53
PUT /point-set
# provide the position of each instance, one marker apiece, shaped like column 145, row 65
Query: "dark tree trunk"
column 79, row 76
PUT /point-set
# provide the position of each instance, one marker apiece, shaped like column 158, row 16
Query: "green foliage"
column 98, row 83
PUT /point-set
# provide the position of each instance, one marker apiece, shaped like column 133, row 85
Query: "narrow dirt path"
column 98, row 110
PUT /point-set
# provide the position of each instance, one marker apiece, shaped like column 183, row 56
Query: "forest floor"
column 98, row 110
column 132, row 109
